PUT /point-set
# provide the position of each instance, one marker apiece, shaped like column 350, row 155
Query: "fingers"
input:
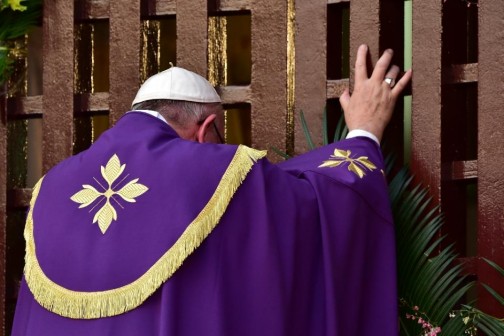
column 360, row 64
column 382, row 65
column 381, row 73
column 390, row 77
column 345, row 99
column 401, row 84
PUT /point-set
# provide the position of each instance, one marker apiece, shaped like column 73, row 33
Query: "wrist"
column 363, row 133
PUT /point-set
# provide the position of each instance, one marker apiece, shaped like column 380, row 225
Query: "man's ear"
column 204, row 127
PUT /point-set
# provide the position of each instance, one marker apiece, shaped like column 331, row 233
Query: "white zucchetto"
column 177, row 84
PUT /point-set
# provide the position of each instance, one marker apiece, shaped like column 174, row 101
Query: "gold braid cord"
column 90, row 305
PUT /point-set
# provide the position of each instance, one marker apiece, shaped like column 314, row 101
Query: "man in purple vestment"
column 157, row 229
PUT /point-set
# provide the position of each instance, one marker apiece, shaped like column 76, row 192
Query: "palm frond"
column 494, row 293
column 455, row 326
column 489, row 324
column 341, row 130
column 471, row 321
column 284, row 155
column 427, row 278
column 325, row 137
column 306, row 131
column 390, row 163
column 494, row 265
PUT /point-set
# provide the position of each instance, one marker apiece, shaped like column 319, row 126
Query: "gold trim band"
column 90, row 305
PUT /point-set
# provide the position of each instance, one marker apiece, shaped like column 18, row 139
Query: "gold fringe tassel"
column 90, row 305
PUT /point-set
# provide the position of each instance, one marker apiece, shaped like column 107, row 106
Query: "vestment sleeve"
column 357, row 236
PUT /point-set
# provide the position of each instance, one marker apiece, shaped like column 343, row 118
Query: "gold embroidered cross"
column 355, row 165
column 107, row 212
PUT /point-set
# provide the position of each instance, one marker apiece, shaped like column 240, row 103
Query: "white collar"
column 152, row 113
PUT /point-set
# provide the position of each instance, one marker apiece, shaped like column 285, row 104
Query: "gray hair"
column 180, row 113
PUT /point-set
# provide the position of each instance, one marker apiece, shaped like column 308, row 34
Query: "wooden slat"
column 336, row 87
column 233, row 5
column 269, row 68
column 426, row 114
column 460, row 73
column 336, row 1
column 25, row 106
column 461, row 170
column 33, row 105
column 192, row 32
column 124, row 55
column 311, row 39
column 58, row 29
column 169, row 7
column 93, row 9
column 235, row 94
column 94, row 102
column 164, row 7
column 364, row 29
column 99, row 9
column 490, row 150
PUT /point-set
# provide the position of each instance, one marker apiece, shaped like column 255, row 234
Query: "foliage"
column 431, row 286
column 12, row 4
column 16, row 18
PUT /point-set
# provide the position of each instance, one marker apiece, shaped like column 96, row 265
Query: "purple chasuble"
column 148, row 234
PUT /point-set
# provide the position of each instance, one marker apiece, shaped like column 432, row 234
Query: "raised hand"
column 372, row 102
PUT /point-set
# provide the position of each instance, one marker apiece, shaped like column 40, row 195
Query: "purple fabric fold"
column 300, row 250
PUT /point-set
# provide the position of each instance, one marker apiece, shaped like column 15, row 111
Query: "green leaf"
column 16, row 5
column 341, row 130
column 454, row 326
column 448, row 301
column 281, row 153
column 494, row 265
column 494, row 293
column 325, row 138
column 15, row 24
column 403, row 327
column 490, row 324
column 306, row 131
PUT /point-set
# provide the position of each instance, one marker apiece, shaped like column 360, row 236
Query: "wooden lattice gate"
column 297, row 55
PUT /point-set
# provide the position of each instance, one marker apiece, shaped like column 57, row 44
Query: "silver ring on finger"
column 390, row 81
